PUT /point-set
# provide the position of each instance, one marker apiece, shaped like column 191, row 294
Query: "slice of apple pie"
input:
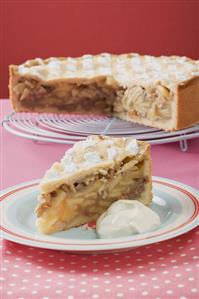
column 91, row 176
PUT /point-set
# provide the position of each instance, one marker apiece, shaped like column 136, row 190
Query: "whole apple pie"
column 92, row 175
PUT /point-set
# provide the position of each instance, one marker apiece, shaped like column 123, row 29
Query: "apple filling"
column 152, row 103
column 85, row 200
column 66, row 97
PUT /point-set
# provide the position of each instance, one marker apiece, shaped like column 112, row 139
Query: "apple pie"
column 92, row 175
column 161, row 92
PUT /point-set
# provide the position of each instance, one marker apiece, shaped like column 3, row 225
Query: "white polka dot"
column 195, row 257
column 34, row 292
column 169, row 292
column 131, row 289
column 143, row 283
column 120, row 294
column 4, row 269
column 95, row 286
column 58, row 291
column 60, row 283
column 178, row 275
column 9, row 292
column 70, row 297
column 154, row 278
column 107, row 290
column 83, row 282
column 194, row 290
column 107, row 281
column 95, row 296
column 156, row 287
column 45, row 298
column 12, row 284
column 50, row 264
column 165, row 272
column 145, row 293
column 82, row 291
column 47, row 287
column 71, row 287
column 24, row 280
column 119, row 285
column 183, row 297
column 191, row 278
column 180, row 286
column 167, row 281
column 142, row 275
column 130, row 280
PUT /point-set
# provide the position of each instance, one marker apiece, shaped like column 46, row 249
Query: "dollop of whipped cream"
column 126, row 217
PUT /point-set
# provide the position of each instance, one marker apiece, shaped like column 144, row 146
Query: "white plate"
column 176, row 204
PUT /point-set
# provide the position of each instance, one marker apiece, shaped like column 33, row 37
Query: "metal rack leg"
column 183, row 145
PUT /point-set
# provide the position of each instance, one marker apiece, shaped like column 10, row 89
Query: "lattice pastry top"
column 124, row 69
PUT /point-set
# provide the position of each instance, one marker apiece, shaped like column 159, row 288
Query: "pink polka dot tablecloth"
column 169, row 269
column 164, row 270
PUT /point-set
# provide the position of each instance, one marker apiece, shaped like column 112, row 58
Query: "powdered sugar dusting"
column 112, row 153
column 91, row 158
column 132, row 147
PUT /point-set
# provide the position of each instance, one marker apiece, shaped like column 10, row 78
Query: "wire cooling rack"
column 69, row 128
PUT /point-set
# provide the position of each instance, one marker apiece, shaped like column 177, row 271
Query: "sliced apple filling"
column 85, row 200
